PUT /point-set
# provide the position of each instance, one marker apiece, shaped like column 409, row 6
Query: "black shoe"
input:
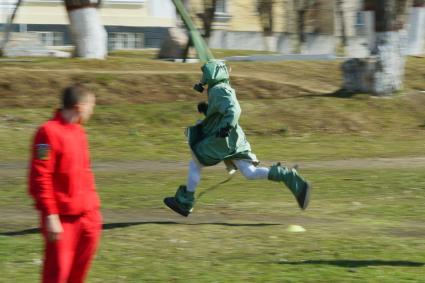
column 303, row 197
column 172, row 203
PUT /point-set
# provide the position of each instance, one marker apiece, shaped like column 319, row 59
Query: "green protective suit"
column 223, row 110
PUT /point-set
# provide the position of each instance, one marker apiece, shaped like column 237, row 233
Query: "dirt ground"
column 118, row 218
column 19, row 169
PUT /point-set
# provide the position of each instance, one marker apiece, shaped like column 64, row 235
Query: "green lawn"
column 293, row 129
column 362, row 225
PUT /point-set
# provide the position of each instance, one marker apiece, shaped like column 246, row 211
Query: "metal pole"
column 201, row 47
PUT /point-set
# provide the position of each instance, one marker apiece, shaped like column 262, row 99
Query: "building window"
column 221, row 7
column 50, row 38
column 360, row 20
column 360, row 23
column 125, row 40
column 222, row 11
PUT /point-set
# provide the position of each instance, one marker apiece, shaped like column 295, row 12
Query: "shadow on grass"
column 355, row 263
column 340, row 93
column 110, row 226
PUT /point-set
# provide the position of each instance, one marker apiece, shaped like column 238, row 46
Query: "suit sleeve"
column 229, row 107
column 42, row 168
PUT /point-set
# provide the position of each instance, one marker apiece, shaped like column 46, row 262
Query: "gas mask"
column 213, row 72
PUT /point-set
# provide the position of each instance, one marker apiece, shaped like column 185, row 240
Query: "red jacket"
column 61, row 180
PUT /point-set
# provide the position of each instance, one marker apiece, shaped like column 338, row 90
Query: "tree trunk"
column 210, row 8
column 87, row 31
column 383, row 72
column 340, row 11
column 302, row 7
column 207, row 17
column 390, row 40
column 300, row 25
column 265, row 10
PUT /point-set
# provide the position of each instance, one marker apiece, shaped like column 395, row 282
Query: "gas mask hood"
column 213, row 72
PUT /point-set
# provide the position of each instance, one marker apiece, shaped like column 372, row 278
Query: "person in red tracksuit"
column 62, row 185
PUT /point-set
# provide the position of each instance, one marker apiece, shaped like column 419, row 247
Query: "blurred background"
column 284, row 26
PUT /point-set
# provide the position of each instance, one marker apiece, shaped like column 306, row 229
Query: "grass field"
column 365, row 222
column 362, row 226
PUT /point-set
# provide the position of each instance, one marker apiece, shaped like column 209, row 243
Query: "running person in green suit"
column 219, row 137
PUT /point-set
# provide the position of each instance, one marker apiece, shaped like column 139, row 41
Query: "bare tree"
column 340, row 12
column 302, row 7
column 265, row 10
column 87, row 31
column 301, row 23
column 207, row 17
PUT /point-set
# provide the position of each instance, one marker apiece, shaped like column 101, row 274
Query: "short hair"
column 74, row 94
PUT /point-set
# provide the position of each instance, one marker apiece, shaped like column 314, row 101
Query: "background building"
column 131, row 24
column 137, row 24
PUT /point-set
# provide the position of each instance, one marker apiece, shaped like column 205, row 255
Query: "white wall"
column 416, row 30
column 162, row 9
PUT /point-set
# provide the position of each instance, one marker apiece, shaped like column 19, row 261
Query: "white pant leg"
column 194, row 175
column 250, row 171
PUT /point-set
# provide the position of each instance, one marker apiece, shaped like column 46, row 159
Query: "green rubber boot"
column 182, row 202
column 300, row 188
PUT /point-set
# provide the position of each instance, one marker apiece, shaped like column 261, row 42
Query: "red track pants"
column 68, row 259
